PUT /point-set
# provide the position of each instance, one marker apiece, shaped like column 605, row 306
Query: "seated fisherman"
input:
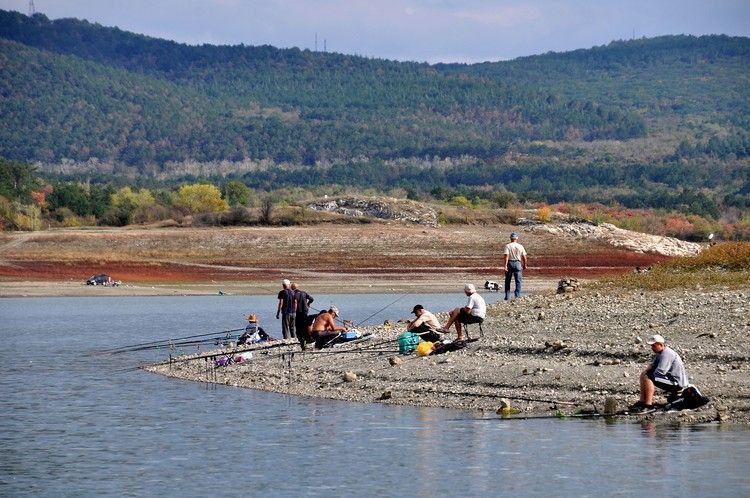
column 253, row 333
column 665, row 372
column 324, row 330
column 425, row 325
column 474, row 312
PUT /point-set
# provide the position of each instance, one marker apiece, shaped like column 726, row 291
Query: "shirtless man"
column 324, row 329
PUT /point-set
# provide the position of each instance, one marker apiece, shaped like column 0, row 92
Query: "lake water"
column 74, row 423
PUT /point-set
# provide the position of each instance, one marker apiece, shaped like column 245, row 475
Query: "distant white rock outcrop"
column 384, row 208
column 625, row 239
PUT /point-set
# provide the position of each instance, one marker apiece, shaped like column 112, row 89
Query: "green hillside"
column 657, row 122
column 285, row 105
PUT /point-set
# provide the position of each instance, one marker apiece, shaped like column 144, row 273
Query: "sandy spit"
column 546, row 354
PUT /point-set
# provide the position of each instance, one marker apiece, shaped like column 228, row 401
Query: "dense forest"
column 649, row 123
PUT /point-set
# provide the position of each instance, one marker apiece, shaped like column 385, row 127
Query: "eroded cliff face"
column 384, row 208
column 624, row 239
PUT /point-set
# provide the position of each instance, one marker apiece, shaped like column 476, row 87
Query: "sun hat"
column 285, row 282
column 252, row 318
column 334, row 309
column 656, row 338
column 469, row 288
column 417, row 307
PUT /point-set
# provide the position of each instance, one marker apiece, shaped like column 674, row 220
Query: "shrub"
column 725, row 264
column 544, row 214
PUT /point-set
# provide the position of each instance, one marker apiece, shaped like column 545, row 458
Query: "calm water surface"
column 74, row 423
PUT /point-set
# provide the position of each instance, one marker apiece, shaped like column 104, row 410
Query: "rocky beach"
column 559, row 350
column 547, row 354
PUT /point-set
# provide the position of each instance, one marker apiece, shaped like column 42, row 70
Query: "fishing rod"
column 124, row 349
column 224, row 353
column 488, row 395
column 213, row 341
column 561, row 416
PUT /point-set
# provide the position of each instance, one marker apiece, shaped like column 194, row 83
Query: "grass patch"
column 726, row 264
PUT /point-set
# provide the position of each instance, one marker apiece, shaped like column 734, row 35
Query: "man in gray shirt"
column 665, row 372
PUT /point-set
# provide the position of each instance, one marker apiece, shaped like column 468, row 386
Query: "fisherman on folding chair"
column 474, row 312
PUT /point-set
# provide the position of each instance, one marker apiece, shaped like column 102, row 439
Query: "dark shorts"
column 664, row 384
column 325, row 338
column 426, row 333
column 466, row 318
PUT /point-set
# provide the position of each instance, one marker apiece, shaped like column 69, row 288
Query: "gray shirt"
column 667, row 366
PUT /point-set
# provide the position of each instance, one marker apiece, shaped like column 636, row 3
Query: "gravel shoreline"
column 547, row 354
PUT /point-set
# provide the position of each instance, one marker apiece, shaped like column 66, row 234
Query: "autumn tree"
column 200, row 198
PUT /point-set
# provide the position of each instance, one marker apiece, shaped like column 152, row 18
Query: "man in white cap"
column 324, row 329
column 665, row 372
column 287, row 308
column 474, row 312
column 514, row 262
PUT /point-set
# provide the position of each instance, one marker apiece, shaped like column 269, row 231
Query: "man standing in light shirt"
column 514, row 262
column 474, row 312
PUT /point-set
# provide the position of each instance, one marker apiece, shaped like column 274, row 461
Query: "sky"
column 408, row 30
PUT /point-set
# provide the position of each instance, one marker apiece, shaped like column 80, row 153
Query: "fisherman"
column 426, row 325
column 665, row 372
column 514, row 262
column 324, row 329
column 474, row 312
column 253, row 332
column 303, row 300
column 287, row 308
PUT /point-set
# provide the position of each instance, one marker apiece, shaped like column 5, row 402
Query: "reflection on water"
column 82, row 424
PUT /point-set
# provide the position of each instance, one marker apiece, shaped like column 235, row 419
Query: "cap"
column 285, row 282
column 514, row 235
column 656, row 338
column 252, row 318
column 417, row 307
column 469, row 288
column 334, row 309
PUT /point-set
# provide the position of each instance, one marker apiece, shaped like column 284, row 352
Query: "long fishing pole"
column 489, row 395
column 124, row 348
column 174, row 345
column 560, row 416
column 224, row 353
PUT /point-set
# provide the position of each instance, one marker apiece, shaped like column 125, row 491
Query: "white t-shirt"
column 515, row 251
column 477, row 305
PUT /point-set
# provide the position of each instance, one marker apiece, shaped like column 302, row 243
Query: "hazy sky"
column 415, row 30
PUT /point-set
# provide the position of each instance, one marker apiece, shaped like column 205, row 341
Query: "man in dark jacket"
column 304, row 300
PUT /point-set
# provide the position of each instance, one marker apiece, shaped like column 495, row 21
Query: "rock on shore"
column 545, row 354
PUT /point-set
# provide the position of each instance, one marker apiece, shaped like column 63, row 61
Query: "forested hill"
column 652, row 122
column 261, row 102
column 707, row 75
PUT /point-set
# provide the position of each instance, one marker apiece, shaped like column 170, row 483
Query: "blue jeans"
column 514, row 271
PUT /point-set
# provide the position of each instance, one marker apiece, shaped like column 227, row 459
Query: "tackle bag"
column 407, row 342
column 689, row 398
